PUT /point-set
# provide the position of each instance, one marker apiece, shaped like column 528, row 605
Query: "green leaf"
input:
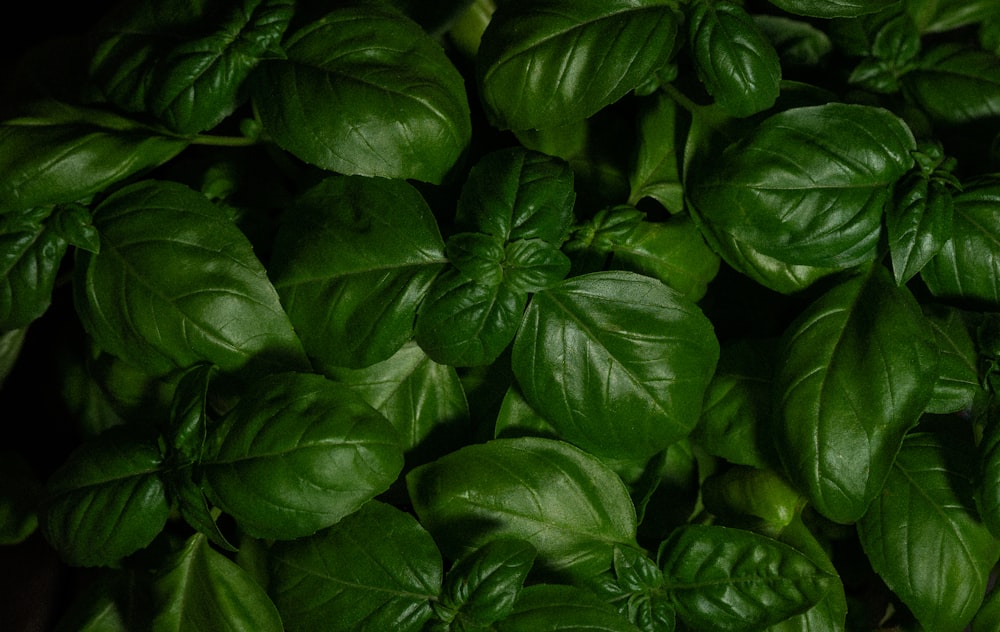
column 31, row 254
column 732, row 580
column 558, row 608
column 20, row 489
column 112, row 601
column 60, row 153
column 988, row 617
column 918, row 222
column 856, row 371
column 531, row 265
column 107, row 500
column 199, row 589
column 614, row 392
column 956, row 84
column 735, row 62
column 808, row 185
column 377, row 569
column 655, row 172
column 922, row 534
column 365, row 91
column 748, row 493
column 298, row 453
column 516, row 193
column 833, row 8
column 424, row 400
column 482, row 587
column 466, row 323
column 967, row 265
column 987, row 485
column 958, row 383
column 798, row 42
column 177, row 283
column 477, row 256
column 352, row 261
column 935, row 16
column 188, row 421
column 571, row 507
column 545, row 64
column 185, row 63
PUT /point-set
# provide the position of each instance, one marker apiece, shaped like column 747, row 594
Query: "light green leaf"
column 614, row 392
column 198, row 589
column 571, row 507
column 377, row 569
column 545, row 64
column 922, row 534
column 298, row 453
column 365, row 91
column 177, row 283
column 856, row 370
column 352, row 261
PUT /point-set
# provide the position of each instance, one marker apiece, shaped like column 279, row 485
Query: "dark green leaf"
column 177, row 283
column 63, row 154
column 958, row 383
column 377, row 569
column 734, row 61
column 424, row 400
column 185, row 62
column 956, row 84
column 856, row 371
column 298, row 453
column 558, row 608
column 730, row 580
column 481, row 588
column 531, row 265
column 189, row 414
column 935, row 16
column 516, row 194
column 619, row 393
column 31, row 254
column 20, row 489
column 922, row 534
column 988, row 617
column 365, row 91
column 968, row 265
column 545, row 64
column 797, row 42
column 198, row 589
column 656, row 169
column 107, row 500
column 571, row 507
column 748, row 493
column 918, row 222
column 466, row 323
column 808, row 185
column 352, row 261
column 112, row 601
column 987, row 490
column 833, row 8
column 477, row 256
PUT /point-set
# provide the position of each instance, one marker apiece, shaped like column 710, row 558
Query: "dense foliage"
column 519, row 315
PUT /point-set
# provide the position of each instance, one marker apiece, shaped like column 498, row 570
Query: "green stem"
column 224, row 141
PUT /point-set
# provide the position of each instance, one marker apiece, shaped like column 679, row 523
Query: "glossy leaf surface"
column 352, row 262
column 559, row 608
column 377, row 569
column 834, row 8
column 544, row 64
column 365, row 91
column 30, row 257
column 298, row 453
column 614, row 392
column 957, row 85
column 482, row 587
column 855, row 373
column 571, row 507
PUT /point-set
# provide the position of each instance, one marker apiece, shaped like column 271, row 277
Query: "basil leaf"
column 724, row 579
column 987, row 492
column 545, row 64
column 482, row 587
column 966, row 265
column 365, row 91
column 918, row 222
column 517, row 193
column 107, row 500
column 466, row 323
column 298, row 453
column 956, row 84
column 655, row 172
column 20, row 489
column 187, row 430
column 736, row 64
column 958, row 383
column 808, row 185
column 559, row 608
column 571, row 507
column 531, row 265
column 747, row 493
column 199, row 589
column 797, row 42
column 377, row 569
column 424, row 400
column 350, row 273
column 477, row 256
column 922, row 534
column 935, row 16
column 164, row 299
column 60, row 153
column 185, row 63
column 856, row 371
column 833, row 8
column 612, row 392
column 30, row 257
